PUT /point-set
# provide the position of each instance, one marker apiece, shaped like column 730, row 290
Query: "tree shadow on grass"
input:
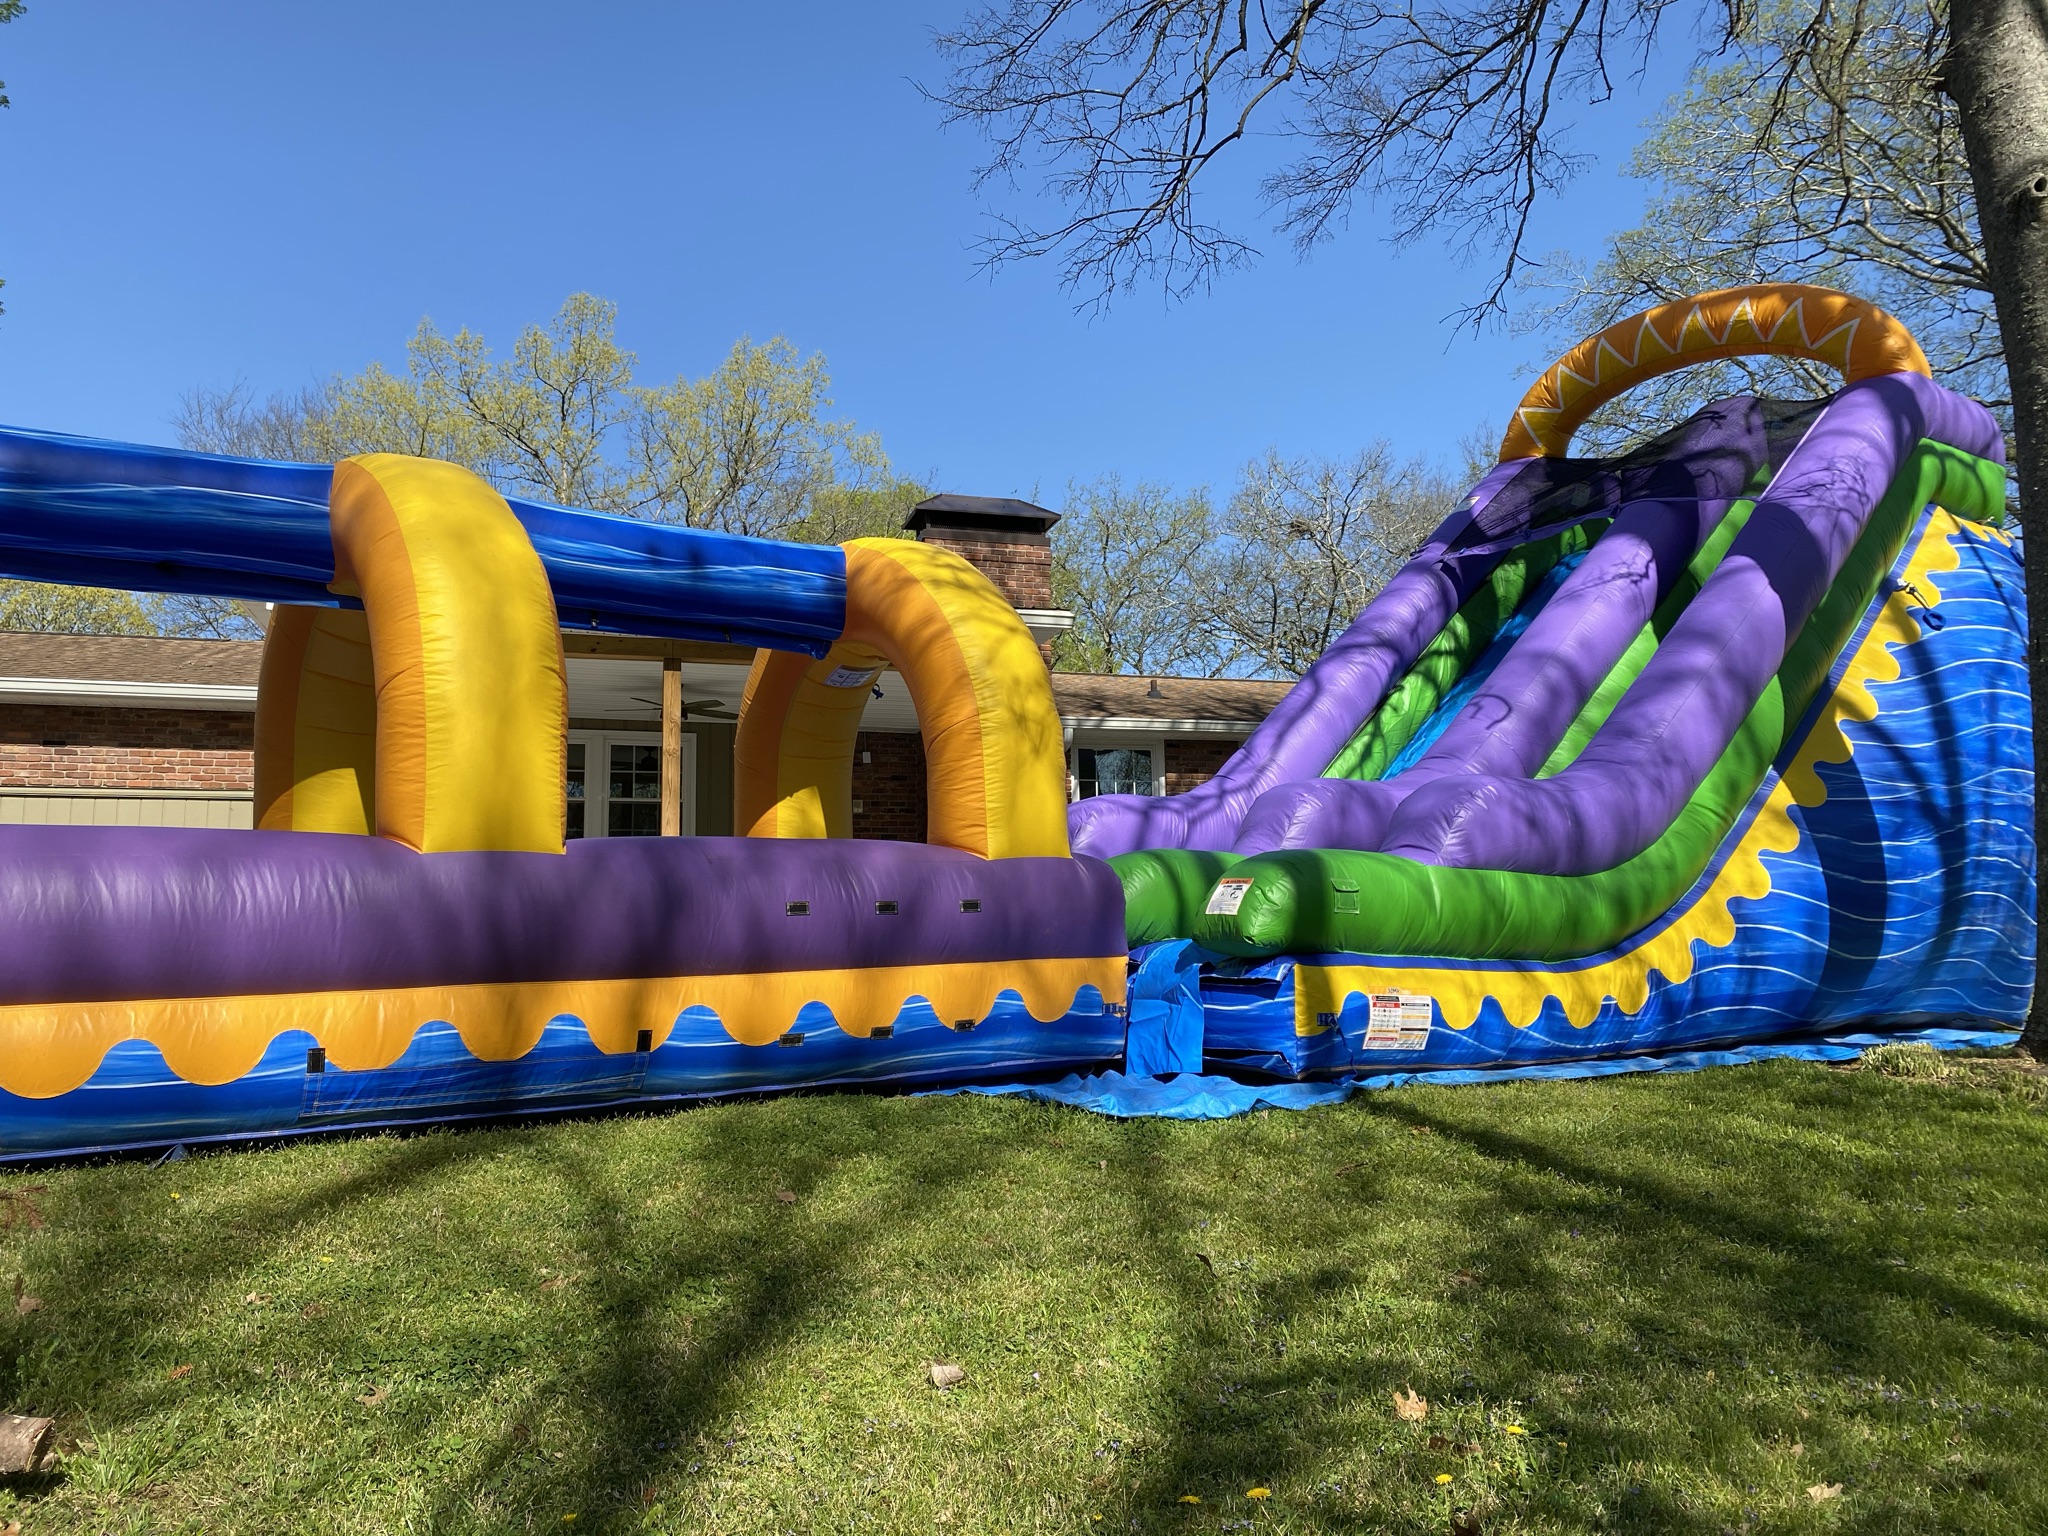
column 648, row 1396
column 1250, row 1383
column 1703, row 1282
column 120, row 1321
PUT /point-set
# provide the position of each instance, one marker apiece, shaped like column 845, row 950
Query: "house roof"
column 1165, row 703
column 137, row 670
column 128, row 669
column 133, row 658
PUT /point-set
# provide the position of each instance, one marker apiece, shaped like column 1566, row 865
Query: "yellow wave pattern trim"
column 1521, row 991
column 51, row 1048
column 1857, row 339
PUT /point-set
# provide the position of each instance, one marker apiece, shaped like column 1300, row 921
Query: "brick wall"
column 890, row 790
column 63, row 746
column 1189, row 763
column 1020, row 570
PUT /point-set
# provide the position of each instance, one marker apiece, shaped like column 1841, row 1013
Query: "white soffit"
column 113, row 692
column 628, row 689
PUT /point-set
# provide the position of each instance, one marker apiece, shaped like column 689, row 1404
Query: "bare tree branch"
column 1446, row 114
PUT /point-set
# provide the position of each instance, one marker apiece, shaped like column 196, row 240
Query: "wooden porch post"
column 671, row 746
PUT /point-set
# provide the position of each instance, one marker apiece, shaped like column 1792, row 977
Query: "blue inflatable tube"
column 91, row 513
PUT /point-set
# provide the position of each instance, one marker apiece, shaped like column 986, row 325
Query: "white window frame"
column 597, row 776
column 1115, row 741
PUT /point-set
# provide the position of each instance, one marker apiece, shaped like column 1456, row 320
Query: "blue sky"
column 205, row 192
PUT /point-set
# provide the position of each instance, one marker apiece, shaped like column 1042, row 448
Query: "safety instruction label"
column 1228, row 895
column 851, row 677
column 1398, row 1021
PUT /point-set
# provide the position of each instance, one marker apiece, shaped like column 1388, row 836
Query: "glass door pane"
column 1113, row 771
column 576, row 799
column 633, row 792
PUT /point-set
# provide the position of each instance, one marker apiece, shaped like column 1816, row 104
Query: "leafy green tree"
column 1125, row 562
column 872, row 508
column 48, row 609
column 1306, row 544
column 748, row 448
column 1162, row 583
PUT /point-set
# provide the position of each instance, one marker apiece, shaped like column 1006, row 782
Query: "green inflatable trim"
column 1165, row 890
column 1462, row 640
column 1625, row 671
column 1341, row 901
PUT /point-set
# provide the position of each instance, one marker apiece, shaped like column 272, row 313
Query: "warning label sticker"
column 1228, row 896
column 851, row 677
column 1398, row 1021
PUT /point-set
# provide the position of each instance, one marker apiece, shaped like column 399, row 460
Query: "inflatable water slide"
column 1723, row 738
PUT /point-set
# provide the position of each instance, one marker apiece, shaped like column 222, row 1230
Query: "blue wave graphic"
column 134, row 1099
column 1909, row 898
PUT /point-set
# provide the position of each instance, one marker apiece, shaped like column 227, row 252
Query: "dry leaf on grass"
column 180, row 1372
column 1410, row 1406
column 556, row 1282
column 254, row 1299
column 374, row 1396
column 1465, row 1523
column 313, row 1309
column 1464, row 1277
column 786, row 1196
column 23, row 1302
column 944, row 1375
column 1820, row 1493
column 11, row 1528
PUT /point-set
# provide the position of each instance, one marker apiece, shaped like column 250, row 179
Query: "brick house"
column 158, row 732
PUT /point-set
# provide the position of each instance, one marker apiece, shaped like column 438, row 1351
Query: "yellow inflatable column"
column 994, row 759
column 316, row 723
column 472, row 693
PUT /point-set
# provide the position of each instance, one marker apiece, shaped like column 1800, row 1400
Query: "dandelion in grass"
column 1258, row 1493
column 1189, row 1498
column 1516, row 1429
column 1442, row 1478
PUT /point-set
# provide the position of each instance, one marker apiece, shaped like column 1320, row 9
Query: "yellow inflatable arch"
column 994, row 759
column 1856, row 339
column 439, row 715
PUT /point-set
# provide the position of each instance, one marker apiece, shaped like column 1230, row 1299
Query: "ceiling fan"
column 704, row 709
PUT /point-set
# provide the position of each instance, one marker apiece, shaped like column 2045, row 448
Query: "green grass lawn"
column 1657, row 1304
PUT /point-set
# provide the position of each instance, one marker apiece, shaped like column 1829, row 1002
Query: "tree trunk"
column 1997, row 74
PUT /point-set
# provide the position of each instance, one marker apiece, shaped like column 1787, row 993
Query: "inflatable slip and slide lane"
column 1723, row 739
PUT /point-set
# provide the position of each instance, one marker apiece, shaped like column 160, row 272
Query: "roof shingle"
column 130, row 658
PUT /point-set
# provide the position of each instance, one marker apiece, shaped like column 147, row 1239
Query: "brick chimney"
column 1009, row 542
